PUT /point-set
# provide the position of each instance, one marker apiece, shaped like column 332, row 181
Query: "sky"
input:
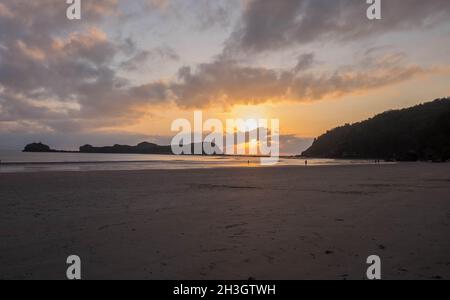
column 127, row 69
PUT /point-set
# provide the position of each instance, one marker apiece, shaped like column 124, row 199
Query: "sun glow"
column 250, row 114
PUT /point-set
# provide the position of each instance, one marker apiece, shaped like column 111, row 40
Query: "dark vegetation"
column 142, row 148
column 421, row 132
column 37, row 147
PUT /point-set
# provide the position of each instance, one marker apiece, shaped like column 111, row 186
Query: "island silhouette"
column 141, row 148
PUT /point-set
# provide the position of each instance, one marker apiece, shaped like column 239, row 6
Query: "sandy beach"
column 262, row 223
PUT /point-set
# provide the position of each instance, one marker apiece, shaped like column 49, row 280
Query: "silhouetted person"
column 306, row 163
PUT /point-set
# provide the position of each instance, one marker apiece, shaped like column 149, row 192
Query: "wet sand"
column 263, row 223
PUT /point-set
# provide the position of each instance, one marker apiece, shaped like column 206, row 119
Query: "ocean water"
column 16, row 161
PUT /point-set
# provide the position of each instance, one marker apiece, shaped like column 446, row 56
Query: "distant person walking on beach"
column 306, row 163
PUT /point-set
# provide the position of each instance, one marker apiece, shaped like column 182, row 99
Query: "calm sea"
column 16, row 161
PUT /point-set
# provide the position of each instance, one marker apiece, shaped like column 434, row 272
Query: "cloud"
column 158, row 54
column 305, row 62
column 5, row 12
column 205, row 14
column 60, row 73
column 44, row 16
column 268, row 25
column 214, row 13
column 228, row 83
column 158, row 4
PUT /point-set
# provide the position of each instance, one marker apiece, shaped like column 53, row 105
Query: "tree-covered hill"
column 421, row 132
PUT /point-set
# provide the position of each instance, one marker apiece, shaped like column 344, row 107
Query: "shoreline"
column 99, row 162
